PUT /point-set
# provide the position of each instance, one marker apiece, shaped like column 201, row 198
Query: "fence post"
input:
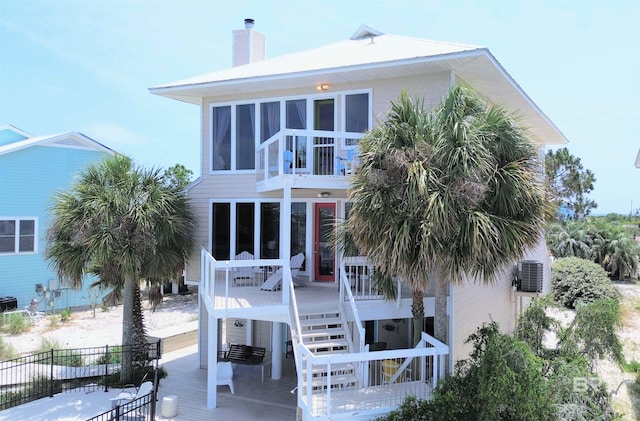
column 51, row 375
column 106, row 368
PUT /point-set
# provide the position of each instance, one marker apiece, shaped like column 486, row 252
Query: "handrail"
column 346, row 287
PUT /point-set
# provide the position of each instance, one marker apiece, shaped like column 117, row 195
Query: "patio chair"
column 275, row 280
column 347, row 166
column 225, row 375
column 125, row 397
column 246, row 274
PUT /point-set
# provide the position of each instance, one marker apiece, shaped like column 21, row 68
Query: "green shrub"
column 631, row 367
column 64, row 357
column 576, row 281
column 65, row 315
column 115, row 356
column 16, row 323
column 7, row 351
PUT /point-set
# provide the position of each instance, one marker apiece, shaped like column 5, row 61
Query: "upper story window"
column 17, row 235
column 357, row 115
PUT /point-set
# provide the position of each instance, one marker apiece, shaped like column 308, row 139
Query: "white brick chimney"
column 248, row 45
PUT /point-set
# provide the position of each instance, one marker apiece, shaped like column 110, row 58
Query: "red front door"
column 324, row 257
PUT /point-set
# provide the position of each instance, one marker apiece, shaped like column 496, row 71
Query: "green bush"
column 576, row 281
column 16, row 323
column 7, row 351
column 65, row 315
column 64, row 357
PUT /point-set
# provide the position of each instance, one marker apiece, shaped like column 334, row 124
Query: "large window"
column 17, row 236
column 357, row 115
column 270, row 119
column 270, row 230
column 245, row 227
column 245, row 136
column 221, row 133
column 220, row 226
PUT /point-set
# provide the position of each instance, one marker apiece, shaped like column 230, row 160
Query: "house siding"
column 30, row 178
column 475, row 303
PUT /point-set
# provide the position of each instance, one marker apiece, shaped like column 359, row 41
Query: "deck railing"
column 47, row 373
column 304, row 152
column 355, row 330
column 359, row 272
column 224, row 286
column 367, row 383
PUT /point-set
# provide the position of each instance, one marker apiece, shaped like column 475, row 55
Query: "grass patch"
column 65, row 315
column 7, row 351
column 631, row 367
column 15, row 323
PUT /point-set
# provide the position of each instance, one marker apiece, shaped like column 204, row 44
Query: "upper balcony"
column 306, row 159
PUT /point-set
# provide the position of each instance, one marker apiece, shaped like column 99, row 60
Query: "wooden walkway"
column 268, row 401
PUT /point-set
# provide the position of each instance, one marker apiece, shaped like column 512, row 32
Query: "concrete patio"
column 268, row 401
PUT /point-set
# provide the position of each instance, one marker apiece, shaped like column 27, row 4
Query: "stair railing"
column 357, row 337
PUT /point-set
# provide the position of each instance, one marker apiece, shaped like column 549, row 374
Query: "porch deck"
column 311, row 296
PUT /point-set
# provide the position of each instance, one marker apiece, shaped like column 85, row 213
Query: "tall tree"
column 567, row 183
column 178, row 176
column 124, row 224
column 449, row 193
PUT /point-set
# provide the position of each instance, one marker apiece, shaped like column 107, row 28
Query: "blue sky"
column 86, row 66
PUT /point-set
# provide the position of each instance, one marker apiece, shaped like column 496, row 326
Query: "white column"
column 212, row 361
column 276, row 350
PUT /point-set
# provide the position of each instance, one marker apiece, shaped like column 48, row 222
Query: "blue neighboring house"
column 32, row 169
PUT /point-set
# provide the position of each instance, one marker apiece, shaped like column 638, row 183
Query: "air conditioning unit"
column 530, row 276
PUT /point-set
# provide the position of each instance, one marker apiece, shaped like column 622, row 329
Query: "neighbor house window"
column 17, row 236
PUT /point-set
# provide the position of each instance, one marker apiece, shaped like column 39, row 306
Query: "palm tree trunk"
column 441, row 321
column 128, row 297
column 417, row 310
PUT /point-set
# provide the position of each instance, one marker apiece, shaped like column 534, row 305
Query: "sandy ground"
column 85, row 330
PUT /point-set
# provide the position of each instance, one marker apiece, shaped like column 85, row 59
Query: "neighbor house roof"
column 368, row 57
column 69, row 140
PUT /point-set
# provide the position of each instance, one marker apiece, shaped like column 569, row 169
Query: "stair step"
column 335, row 368
column 321, row 321
column 323, row 333
column 333, row 343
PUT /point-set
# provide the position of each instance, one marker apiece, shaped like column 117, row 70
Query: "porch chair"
column 225, row 375
column 389, row 370
column 246, row 274
column 275, row 280
column 125, row 397
column 347, row 166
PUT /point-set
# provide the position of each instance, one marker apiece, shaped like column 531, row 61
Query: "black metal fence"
column 43, row 374
column 141, row 408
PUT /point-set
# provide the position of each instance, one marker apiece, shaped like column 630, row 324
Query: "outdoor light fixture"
column 322, row 87
column 324, row 194
column 238, row 323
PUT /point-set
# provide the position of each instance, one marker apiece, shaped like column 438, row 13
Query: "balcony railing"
column 226, row 286
column 305, row 152
column 367, row 383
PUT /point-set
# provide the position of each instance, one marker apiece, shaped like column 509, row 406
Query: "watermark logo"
column 584, row 384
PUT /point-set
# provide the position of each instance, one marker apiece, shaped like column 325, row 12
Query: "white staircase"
column 326, row 333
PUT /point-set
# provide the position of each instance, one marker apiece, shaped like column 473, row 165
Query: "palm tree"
column 124, row 224
column 445, row 194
